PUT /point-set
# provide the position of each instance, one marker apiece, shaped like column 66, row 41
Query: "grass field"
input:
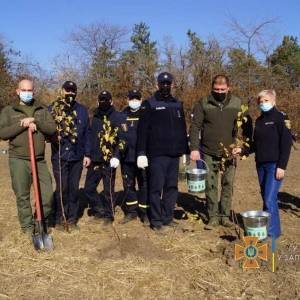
column 188, row 263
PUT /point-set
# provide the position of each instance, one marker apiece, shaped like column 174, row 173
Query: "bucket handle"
column 206, row 166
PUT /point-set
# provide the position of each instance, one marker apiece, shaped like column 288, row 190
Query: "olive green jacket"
column 11, row 130
column 214, row 122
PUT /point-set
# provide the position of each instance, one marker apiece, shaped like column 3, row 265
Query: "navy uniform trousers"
column 103, row 206
column 136, row 202
column 163, row 190
column 70, row 177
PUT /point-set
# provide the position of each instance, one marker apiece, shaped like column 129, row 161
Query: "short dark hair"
column 220, row 78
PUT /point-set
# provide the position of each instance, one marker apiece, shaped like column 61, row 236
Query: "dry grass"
column 188, row 263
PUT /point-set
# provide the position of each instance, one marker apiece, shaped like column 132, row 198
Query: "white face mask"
column 26, row 97
column 134, row 104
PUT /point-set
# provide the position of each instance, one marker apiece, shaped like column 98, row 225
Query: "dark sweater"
column 75, row 151
column 11, row 130
column 161, row 128
column 132, row 120
column 117, row 119
column 216, row 122
column 272, row 139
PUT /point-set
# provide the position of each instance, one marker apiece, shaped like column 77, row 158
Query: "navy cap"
column 165, row 77
column 70, row 86
column 104, row 96
column 134, row 94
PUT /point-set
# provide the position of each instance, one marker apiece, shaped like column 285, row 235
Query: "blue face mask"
column 26, row 97
column 265, row 106
column 134, row 104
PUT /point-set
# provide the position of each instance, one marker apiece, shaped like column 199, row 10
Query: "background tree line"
column 106, row 56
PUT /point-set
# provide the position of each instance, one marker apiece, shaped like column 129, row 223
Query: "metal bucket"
column 255, row 223
column 196, row 178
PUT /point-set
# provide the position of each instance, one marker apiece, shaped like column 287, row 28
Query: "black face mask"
column 104, row 105
column 69, row 98
column 165, row 90
column 219, row 96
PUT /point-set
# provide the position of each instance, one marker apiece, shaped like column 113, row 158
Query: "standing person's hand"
column 86, row 162
column 114, row 162
column 26, row 122
column 236, row 151
column 32, row 127
column 195, row 155
column 279, row 174
column 142, row 162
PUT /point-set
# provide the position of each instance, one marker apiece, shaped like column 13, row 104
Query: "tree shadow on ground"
column 191, row 203
column 85, row 204
column 289, row 203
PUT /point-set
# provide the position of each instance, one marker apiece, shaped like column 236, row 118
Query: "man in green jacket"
column 213, row 125
column 15, row 121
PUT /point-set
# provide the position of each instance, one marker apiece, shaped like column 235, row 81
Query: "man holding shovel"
column 15, row 121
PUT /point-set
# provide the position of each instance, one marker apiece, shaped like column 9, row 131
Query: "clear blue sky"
column 37, row 27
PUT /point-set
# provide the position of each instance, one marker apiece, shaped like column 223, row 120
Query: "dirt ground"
column 187, row 263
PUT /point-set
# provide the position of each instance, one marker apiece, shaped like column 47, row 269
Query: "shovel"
column 41, row 240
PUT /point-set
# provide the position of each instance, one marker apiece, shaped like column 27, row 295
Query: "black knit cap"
column 70, row 86
column 104, row 96
column 134, row 94
column 165, row 77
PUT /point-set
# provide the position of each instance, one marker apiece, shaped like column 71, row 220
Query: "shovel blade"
column 48, row 242
column 42, row 242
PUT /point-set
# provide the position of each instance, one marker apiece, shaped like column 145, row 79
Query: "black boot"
column 128, row 218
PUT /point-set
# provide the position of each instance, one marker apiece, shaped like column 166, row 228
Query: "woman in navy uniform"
column 272, row 143
column 136, row 203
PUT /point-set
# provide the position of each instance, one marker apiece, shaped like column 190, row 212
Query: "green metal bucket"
column 255, row 223
column 196, row 178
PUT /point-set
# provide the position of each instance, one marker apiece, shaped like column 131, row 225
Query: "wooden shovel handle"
column 36, row 190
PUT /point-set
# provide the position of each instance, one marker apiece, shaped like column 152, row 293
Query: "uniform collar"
column 34, row 104
column 100, row 113
column 269, row 112
column 213, row 101
column 159, row 97
column 128, row 111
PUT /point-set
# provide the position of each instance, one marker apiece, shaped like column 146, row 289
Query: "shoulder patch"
column 287, row 124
